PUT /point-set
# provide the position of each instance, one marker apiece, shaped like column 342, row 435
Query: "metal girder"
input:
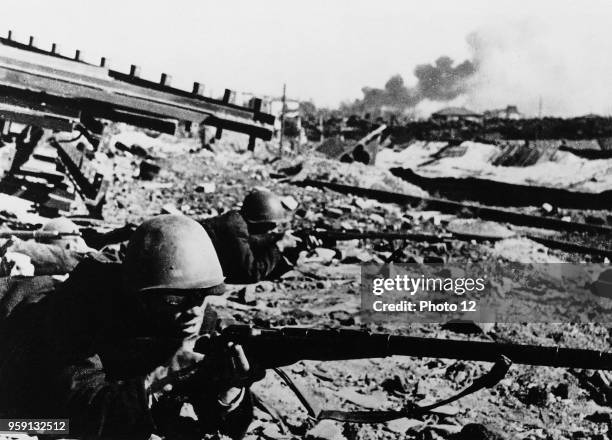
column 100, row 92
column 42, row 119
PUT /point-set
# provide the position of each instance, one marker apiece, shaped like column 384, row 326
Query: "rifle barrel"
column 38, row 235
column 351, row 235
column 285, row 346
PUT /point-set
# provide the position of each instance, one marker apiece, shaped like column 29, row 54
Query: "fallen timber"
column 448, row 206
column 567, row 246
column 497, row 193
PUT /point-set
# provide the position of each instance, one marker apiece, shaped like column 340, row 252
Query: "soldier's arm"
column 232, row 420
column 50, row 259
column 99, row 407
column 265, row 257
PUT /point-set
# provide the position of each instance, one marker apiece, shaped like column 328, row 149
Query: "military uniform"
column 51, row 259
column 23, row 290
column 245, row 258
column 83, row 353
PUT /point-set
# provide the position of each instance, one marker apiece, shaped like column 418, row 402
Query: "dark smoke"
column 438, row 82
column 443, row 82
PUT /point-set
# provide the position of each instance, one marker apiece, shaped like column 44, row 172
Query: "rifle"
column 38, row 235
column 345, row 235
column 274, row 348
column 317, row 237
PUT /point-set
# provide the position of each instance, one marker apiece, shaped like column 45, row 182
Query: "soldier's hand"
column 93, row 237
column 229, row 373
column 240, row 374
column 183, row 365
column 288, row 241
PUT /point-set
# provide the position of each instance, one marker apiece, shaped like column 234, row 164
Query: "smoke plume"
column 547, row 67
column 538, row 66
column 441, row 81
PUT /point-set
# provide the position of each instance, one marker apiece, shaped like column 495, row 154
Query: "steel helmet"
column 171, row 252
column 263, row 206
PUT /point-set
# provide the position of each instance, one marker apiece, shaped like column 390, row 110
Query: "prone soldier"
column 112, row 349
column 57, row 250
column 248, row 242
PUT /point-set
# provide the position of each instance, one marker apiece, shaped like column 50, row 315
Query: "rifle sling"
column 411, row 410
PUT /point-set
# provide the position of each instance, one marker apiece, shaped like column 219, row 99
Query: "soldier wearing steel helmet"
column 50, row 256
column 248, row 249
column 110, row 349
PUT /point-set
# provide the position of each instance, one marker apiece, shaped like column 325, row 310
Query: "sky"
column 553, row 51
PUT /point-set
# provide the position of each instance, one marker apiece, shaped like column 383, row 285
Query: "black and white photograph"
column 318, row 220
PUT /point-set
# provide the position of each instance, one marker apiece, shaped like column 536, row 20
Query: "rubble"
column 323, row 291
column 325, row 430
column 316, row 168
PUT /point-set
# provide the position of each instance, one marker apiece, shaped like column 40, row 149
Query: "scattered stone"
column 169, row 208
column 394, row 386
column 547, row 208
column 333, row 212
column 348, row 209
column 403, row 425
column 377, row 219
column 343, row 318
column 446, row 429
column 370, row 401
column 265, row 286
column 536, row 395
column 600, row 417
column 272, row 432
column 206, row 188
column 148, row 170
column 446, row 410
column 325, row 430
column 364, row 204
column 290, row 203
column 459, row 372
column 476, row 431
column 477, row 228
column 561, row 390
column 325, row 255
column 420, row 389
column 245, row 295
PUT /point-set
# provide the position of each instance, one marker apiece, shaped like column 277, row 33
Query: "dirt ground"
column 529, row 403
column 323, row 292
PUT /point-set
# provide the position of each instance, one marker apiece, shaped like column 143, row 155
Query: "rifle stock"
column 281, row 347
